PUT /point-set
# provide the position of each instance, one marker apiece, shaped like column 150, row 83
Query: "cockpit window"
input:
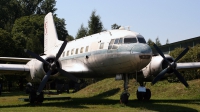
column 120, row 40
column 130, row 40
column 141, row 39
column 116, row 41
column 112, row 41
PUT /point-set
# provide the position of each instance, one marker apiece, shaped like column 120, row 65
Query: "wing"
column 14, row 68
column 15, row 59
column 191, row 65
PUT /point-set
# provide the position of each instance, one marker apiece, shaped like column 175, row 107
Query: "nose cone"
column 141, row 48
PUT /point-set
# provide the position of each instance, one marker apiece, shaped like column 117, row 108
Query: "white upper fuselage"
column 105, row 54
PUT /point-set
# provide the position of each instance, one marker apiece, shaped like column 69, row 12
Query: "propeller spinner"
column 171, row 66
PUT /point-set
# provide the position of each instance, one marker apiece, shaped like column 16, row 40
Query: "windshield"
column 141, row 39
column 130, row 40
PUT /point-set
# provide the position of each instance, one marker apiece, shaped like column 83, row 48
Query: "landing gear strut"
column 125, row 95
column 143, row 93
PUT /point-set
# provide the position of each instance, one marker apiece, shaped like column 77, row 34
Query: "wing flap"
column 191, row 65
column 13, row 68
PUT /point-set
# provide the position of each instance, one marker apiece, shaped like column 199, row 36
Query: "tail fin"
column 50, row 34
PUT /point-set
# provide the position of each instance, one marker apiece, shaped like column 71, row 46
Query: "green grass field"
column 104, row 96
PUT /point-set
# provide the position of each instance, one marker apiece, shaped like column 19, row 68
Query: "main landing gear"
column 142, row 92
column 33, row 97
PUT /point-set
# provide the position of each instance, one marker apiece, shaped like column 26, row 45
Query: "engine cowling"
column 38, row 69
column 156, row 65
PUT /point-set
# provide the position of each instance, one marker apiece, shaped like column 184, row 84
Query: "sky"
column 174, row 20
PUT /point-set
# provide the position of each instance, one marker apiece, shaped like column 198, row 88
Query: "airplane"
column 118, row 53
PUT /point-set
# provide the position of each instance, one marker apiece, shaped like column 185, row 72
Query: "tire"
column 32, row 97
column 140, row 95
column 147, row 95
column 124, row 98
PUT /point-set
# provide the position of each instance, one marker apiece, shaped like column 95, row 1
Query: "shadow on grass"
column 153, row 105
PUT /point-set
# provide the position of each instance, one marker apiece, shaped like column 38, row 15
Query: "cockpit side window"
column 141, row 39
column 121, row 41
column 112, row 41
column 116, row 41
column 130, row 40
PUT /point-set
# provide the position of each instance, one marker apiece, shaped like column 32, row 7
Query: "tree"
column 158, row 42
column 46, row 6
column 115, row 26
column 82, row 32
column 94, row 24
column 70, row 38
column 167, row 41
column 150, row 42
column 60, row 27
column 6, row 44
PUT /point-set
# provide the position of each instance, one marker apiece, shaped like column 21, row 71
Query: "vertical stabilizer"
column 50, row 34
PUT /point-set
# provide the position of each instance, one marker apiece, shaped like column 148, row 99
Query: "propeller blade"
column 182, row 54
column 180, row 77
column 161, row 53
column 35, row 56
column 159, row 76
column 61, row 50
column 66, row 74
column 44, row 81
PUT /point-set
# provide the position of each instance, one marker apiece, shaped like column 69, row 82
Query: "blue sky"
column 174, row 20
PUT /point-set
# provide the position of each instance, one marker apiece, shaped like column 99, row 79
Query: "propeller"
column 171, row 66
column 52, row 67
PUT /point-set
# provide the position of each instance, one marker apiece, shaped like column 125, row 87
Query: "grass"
column 104, row 96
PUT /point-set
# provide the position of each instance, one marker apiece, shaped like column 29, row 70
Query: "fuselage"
column 106, row 54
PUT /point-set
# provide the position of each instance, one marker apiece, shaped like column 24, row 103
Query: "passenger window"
column 63, row 54
column 116, row 41
column 81, row 50
column 67, row 53
column 72, row 51
column 77, row 51
column 121, row 41
column 86, row 49
column 101, row 46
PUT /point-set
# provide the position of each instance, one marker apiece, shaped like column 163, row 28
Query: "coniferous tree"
column 82, row 32
column 94, row 24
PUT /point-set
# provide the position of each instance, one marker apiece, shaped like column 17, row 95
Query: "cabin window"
column 67, row 53
column 63, row 55
column 86, row 49
column 72, row 51
column 81, row 50
column 116, row 41
column 121, row 41
column 101, row 46
column 77, row 51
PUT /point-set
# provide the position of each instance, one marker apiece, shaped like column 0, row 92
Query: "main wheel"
column 140, row 95
column 40, row 98
column 147, row 95
column 124, row 98
column 32, row 97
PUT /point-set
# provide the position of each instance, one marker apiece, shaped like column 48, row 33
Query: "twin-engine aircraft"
column 116, row 53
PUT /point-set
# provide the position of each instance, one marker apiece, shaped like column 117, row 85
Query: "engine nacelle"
column 156, row 65
column 38, row 69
